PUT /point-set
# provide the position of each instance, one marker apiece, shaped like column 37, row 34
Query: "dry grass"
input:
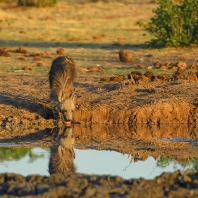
column 90, row 32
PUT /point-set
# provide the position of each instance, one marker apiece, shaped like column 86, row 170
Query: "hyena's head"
column 67, row 139
column 67, row 107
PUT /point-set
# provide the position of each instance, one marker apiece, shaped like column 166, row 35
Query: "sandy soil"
column 25, row 100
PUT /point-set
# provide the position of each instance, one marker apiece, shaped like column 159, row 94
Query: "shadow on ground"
column 69, row 45
column 27, row 103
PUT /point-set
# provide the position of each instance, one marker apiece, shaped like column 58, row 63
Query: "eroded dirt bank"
column 25, row 100
column 78, row 185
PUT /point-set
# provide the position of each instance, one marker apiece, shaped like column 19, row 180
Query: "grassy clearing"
column 89, row 32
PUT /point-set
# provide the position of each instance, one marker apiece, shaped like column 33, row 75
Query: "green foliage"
column 8, row 154
column 175, row 23
column 191, row 164
column 37, row 3
column 8, row 1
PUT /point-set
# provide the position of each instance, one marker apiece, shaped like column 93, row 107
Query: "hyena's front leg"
column 58, row 116
column 57, row 133
column 56, row 113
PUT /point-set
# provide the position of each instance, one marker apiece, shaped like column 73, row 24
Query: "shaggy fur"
column 61, row 78
column 62, row 153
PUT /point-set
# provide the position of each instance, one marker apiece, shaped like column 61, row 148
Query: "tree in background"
column 175, row 23
column 37, row 3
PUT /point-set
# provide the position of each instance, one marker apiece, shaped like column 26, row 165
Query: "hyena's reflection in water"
column 62, row 152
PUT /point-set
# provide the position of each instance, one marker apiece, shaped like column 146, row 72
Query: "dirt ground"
column 155, row 117
column 25, row 100
column 77, row 185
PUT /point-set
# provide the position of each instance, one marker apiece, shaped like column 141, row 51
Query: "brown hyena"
column 62, row 153
column 61, row 78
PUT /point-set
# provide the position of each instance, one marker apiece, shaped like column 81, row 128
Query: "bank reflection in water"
column 10, row 154
column 62, row 152
column 99, row 150
column 165, row 161
column 24, row 161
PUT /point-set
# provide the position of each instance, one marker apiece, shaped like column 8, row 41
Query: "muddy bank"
column 78, row 185
column 25, row 99
column 164, row 111
column 151, row 103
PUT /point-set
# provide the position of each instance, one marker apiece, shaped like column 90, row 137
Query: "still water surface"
column 36, row 160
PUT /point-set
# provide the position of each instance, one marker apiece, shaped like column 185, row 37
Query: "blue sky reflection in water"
column 90, row 162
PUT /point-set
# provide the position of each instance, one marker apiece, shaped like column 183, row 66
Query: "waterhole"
column 100, row 150
column 27, row 161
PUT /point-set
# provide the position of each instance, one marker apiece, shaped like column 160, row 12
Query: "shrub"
column 175, row 23
column 37, row 3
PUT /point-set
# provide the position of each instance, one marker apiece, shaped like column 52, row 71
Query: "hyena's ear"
column 72, row 96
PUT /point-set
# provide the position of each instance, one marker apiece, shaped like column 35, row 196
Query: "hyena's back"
column 61, row 78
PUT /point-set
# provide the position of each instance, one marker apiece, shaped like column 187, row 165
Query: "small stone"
column 97, row 68
column 117, row 78
column 36, row 58
column 181, row 65
column 157, row 64
column 149, row 74
column 150, row 67
column 164, row 67
column 125, row 55
column 22, row 32
column 22, row 50
column 105, row 79
column 98, row 37
column 21, row 58
column 60, row 51
column 27, row 67
column 3, row 52
column 39, row 64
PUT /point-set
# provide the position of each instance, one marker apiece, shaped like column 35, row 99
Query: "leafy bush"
column 175, row 23
column 9, row 154
column 37, row 3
